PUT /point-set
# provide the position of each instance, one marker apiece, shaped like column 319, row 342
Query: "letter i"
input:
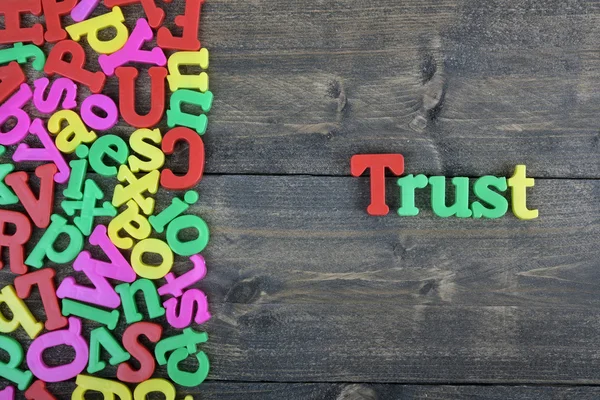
column 78, row 171
column 176, row 208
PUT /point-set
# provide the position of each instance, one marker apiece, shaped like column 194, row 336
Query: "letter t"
column 377, row 163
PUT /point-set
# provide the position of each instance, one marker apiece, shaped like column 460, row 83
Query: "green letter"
column 407, row 203
column 482, row 190
column 460, row 208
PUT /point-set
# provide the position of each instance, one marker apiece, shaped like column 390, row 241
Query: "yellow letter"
column 519, row 182
column 156, row 385
column 132, row 222
column 154, row 154
column 74, row 134
column 155, row 246
column 179, row 81
column 107, row 387
column 21, row 314
column 93, row 26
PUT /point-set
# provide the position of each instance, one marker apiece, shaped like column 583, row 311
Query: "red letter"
column 168, row 179
column 16, row 241
column 11, row 77
column 73, row 69
column 12, row 32
column 38, row 209
column 154, row 14
column 38, row 391
column 127, row 77
column 377, row 163
column 53, row 9
column 44, row 279
column 130, row 341
column 189, row 23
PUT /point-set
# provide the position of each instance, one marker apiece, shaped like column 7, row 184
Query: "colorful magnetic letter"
column 104, row 103
column 377, row 163
column 21, row 314
column 20, row 53
column 53, row 10
column 11, row 78
column 110, row 319
column 91, row 27
column 176, row 208
column 130, row 340
column 460, row 208
column 107, row 387
column 177, row 117
column 127, row 99
column 189, row 23
column 519, row 184
column 128, row 292
column 38, row 391
column 154, row 14
column 44, row 280
column 7, row 196
column 78, row 172
column 10, row 369
column 102, row 337
column 45, row 247
column 70, row 337
column 39, row 210
column 132, row 222
column 73, row 134
column 82, row 10
column 180, row 81
column 135, row 189
column 184, row 378
column 188, row 247
column 16, row 241
column 154, row 246
column 189, row 340
column 498, row 203
column 175, row 285
column 111, row 146
column 12, row 31
column 60, row 87
column 13, row 107
column 408, row 184
column 73, row 69
column 138, row 143
column 168, row 179
column 132, row 51
column 183, row 319
column 85, row 220
column 48, row 153
column 156, row 385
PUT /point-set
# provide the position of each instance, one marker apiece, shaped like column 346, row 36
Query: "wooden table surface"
column 314, row 299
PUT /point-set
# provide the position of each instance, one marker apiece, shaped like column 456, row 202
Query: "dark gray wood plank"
column 459, row 87
column 317, row 391
column 304, row 286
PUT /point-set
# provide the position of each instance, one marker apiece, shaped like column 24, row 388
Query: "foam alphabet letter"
column 102, row 337
column 186, row 311
column 48, row 153
column 21, row 53
column 154, row 246
column 43, row 278
column 93, row 26
column 70, row 337
column 184, row 378
column 13, row 107
column 377, row 163
column 104, row 103
column 132, row 222
column 108, row 145
column 177, row 117
column 460, row 208
column 9, row 370
column 138, row 143
column 175, row 285
column 53, row 10
column 12, row 31
column 132, row 51
column 39, row 210
column 179, row 81
column 16, row 241
column 128, row 292
column 11, row 78
column 21, row 314
column 499, row 204
column 187, row 247
column 73, row 134
column 189, row 23
column 45, row 246
column 168, row 179
column 127, row 99
column 519, row 184
column 145, row 358
column 85, row 220
column 135, row 189
column 73, row 69
column 60, row 87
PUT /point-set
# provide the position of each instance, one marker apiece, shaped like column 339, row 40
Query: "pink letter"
column 82, row 10
column 174, row 286
column 71, row 337
column 132, row 50
column 48, row 153
column 8, row 393
column 60, row 86
column 104, row 103
column 186, row 311
column 13, row 108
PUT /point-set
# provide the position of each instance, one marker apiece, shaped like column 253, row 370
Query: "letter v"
column 38, row 209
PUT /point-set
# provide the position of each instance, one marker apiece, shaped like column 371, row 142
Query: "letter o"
column 155, row 246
